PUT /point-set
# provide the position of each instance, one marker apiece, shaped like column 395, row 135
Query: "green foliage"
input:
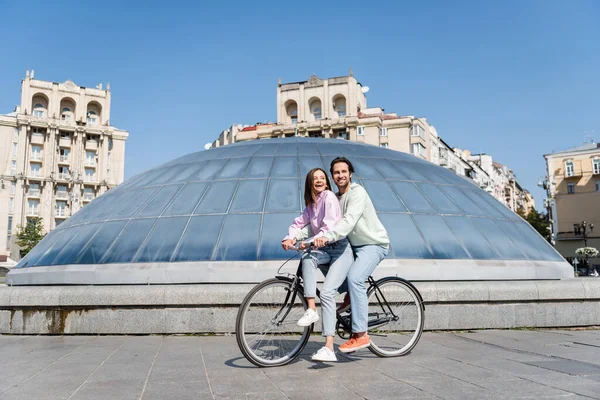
column 539, row 222
column 29, row 236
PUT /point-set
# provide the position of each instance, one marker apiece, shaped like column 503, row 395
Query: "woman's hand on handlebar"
column 320, row 241
column 289, row 244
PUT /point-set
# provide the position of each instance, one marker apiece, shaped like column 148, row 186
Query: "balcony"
column 34, row 173
column 89, row 178
column 64, row 176
column 573, row 171
column 443, row 160
column 61, row 213
column 90, row 163
column 33, row 211
column 62, row 159
column 35, row 157
column 37, row 138
column 64, row 142
column 33, row 193
column 62, row 195
column 91, row 145
column 88, row 197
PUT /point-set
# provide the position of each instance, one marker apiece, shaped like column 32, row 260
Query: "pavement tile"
column 115, row 390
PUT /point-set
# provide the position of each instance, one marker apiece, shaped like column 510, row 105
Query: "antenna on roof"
column 589, row 136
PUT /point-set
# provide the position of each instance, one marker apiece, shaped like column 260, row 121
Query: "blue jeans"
column 367, row 258
column 339, row 254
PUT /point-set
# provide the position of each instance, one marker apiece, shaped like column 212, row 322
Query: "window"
column 33, row 207
column 11, row 205
column 571, row 188
column 61, row 207
column 91, row 118
column 15, row 150
column 63, row 172
column 66, row 109
column 64, row 155
column 384, row 145
column 341, row 110
column 417, row 149
column 36, row 152
column 34, row 190
column 417, row 130
column 90, row 158
column 10, row 219
column 57, row 222
column 16, row 135
column 35, row 169
column 88, row 193
column 569, row 168
column 65, row 117
column 13, row 187
column 89, row 174
column 61, row 192
column 382, row 131
column 596, row 165
column 342, row 135
column 110, row 144
column 597, row 186
column 360, row 130
column 13, row 167
column 65, row 135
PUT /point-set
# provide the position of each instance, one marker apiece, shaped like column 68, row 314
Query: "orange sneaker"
column 356, row 344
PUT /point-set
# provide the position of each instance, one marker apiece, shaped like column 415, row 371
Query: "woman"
column 322, row 212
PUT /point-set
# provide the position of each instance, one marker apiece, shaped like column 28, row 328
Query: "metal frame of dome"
column 219, row 215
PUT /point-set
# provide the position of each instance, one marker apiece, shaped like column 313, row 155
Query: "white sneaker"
column 309, row 317
column 324, row 354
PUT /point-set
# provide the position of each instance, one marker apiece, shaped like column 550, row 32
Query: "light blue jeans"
column 334, row 260
column 367, row 258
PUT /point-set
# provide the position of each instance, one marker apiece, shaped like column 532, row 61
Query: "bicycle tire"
column 398, row 336
column 261, row 305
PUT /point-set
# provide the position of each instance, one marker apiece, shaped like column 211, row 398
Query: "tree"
column 29, row 236
column 539, row 222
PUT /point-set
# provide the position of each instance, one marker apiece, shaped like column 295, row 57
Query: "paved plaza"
column 510, row 364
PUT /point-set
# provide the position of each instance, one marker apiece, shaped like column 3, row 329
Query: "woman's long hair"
column 309, row 195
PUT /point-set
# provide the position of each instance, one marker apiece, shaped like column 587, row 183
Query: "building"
column 337, row 108
column 573, row 187
column 58, row 151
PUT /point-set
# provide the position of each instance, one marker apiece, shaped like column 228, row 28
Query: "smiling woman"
column 219, row 216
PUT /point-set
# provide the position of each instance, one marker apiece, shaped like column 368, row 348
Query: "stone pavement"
column 513, row 364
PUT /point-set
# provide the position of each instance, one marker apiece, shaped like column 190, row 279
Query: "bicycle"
column 268, row 336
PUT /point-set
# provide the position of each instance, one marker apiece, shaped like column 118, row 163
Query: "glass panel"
column 283, row 195
column 162, row 240
column 405, row 239
column 188, row 172
column 382, row 196
column 250, row 196
column 441, row 175
column 217, row 198
column 199, row 238
column 439, row 199
column 129, row 241
column 412, row 198
column 239, row 238
column 535, row 239
column 186, row 200
column 270, row 241
column 53, row 247
column 285, row 167
column 440, row 237
column 307, row 149
column 111, row 202
column 482, row 204
column 259, row 167
column 496, row 236
column 307, row 163
column 209, row 170
column 410, row 170
column 68, row 255
column 170, row 174
column 462, row 201
column 234, row 168
column 287, row 149
column 148, row 177
column 388, row 170
column 364, row 169
column 135, row 202
column 267, row 150
column 528, row 247
column 157, row 204
column 329, row 149
column 471, row 239
column 501, row 208
column 95, row 249
column 47, row 242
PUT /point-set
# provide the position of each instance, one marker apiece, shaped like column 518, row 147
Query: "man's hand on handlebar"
column 320, row 241
column 289, row 244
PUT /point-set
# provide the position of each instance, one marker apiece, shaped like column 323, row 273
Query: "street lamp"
column 582, row 229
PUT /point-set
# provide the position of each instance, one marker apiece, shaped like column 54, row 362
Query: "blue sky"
column 515, row 79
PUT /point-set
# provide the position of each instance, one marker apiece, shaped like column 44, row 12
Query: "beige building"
column 337, row 108
column 58, row 151
column 573, row 188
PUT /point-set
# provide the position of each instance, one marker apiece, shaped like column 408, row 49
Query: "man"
column 369, row 241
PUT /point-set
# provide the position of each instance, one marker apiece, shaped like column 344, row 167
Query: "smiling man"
column 369, row 241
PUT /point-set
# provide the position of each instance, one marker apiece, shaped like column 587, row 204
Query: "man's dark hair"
column 339, row 160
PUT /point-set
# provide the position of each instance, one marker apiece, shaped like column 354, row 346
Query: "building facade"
column 337, row 108
column 573, row 187
column 58, row 151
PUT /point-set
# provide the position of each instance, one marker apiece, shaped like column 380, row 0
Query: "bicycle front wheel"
column 396, row 317
column 266, row 329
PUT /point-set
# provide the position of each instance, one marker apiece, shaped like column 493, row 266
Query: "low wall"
column 211, row 308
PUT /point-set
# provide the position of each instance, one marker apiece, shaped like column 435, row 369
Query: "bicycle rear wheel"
column 396, row 317
column 266, row 329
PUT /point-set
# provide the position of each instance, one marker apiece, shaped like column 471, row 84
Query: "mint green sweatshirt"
column 359, row 223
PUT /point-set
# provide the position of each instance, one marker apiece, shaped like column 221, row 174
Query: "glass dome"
column 226, row 209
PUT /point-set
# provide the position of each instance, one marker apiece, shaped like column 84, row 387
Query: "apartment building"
column 58, row 151
column 573, row 188
column 337, row 108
